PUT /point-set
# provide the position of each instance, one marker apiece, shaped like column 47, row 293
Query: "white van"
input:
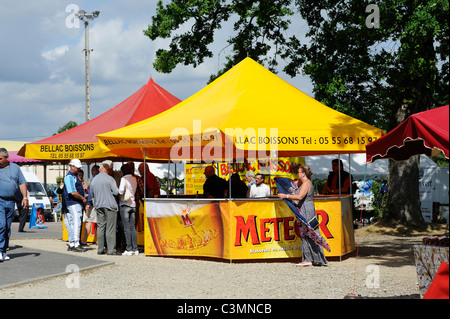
column 36, row 195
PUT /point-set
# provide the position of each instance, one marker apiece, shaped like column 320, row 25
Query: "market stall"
column 81, row 142
column 247, row 113
column 422, row 133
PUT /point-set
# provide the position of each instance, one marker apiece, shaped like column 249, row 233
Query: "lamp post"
column 86, row 17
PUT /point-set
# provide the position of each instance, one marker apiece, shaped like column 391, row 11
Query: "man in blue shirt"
column 11, row 182
column 74, row 197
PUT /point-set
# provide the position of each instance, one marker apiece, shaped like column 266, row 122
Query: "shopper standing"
column 74, row 197
column 103, row 190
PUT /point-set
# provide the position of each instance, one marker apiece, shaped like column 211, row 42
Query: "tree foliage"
column 259, row 31
column 379, row 74
column 66, row 127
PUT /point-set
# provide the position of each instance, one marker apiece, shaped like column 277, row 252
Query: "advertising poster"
column 184, row 228
column 194, row 178
column 241, row 229
column 426, row 189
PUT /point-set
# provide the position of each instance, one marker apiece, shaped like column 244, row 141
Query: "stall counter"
column 241, row 229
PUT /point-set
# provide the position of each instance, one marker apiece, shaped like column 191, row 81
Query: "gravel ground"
column 384, row 268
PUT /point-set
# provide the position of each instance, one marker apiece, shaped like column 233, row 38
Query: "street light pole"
column 86, row 17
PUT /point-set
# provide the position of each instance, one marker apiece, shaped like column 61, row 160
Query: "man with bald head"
column 103, row 191
column 214, row 186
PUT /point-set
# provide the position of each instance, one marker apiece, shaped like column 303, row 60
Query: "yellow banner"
column 64, row 151
column 184, row 228
column 248, row 229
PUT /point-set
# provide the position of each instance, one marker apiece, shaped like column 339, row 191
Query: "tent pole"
column 145, row 171
column 350, row 172
column 176, row 192
column 229, row 173
column 168, row 178
column 339, row 173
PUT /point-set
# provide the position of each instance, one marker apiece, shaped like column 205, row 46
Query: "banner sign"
column 282, row 166
column 240, row 229
column 64, row 151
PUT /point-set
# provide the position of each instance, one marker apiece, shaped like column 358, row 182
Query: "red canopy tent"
column 422, row 133
column 81, row 141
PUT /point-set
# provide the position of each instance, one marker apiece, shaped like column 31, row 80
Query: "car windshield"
column 36, row 189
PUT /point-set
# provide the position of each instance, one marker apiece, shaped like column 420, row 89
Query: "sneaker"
column 136, row 252
column 115, row 253
column 70, row 248
column 79, row 249
column 304, row 264
column 127, row 253
column 5, row 257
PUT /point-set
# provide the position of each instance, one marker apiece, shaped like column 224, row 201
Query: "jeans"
column 73, row 220
column 128, row 216
column 58, row 208
column 6, row 216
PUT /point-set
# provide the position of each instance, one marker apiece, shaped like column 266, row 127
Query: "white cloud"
column 52, row 55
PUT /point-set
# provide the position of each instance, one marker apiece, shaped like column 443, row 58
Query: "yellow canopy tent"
column 248, row 108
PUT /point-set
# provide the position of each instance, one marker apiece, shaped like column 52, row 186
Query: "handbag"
column 127, row 194
column 314, row 222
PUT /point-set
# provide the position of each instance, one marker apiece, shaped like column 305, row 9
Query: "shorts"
column 90, row 216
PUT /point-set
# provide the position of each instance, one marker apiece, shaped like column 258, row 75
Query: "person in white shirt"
column 128, row 183
column 259, row 189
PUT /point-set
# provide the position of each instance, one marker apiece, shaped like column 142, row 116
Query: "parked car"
column 36, row 195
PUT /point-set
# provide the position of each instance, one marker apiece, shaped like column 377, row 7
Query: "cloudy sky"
column 42, row 79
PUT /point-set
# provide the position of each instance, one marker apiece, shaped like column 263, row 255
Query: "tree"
column 397, row 69
column 260, row 31
column 378, row 63
column 68, row 126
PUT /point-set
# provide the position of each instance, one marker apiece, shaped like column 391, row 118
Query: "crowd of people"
column 110, row 201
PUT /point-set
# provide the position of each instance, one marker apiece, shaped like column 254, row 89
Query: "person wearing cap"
column 75, row 199
column 12, row 182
